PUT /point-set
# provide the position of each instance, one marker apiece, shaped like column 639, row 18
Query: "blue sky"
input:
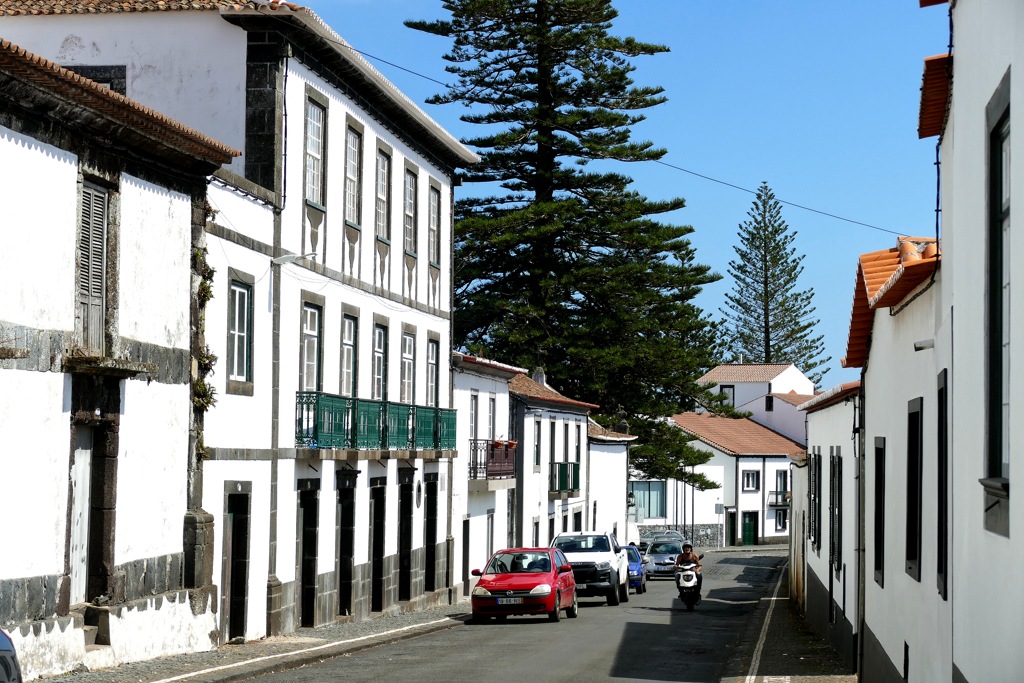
column 817, row 98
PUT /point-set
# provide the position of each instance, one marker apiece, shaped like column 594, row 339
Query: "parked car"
column 10, row 671
column 663, row 554
column 525, row 581
column 599, row 564
column 639, row 568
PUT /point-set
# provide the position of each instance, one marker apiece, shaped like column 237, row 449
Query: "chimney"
column 538, row 376
column 622, row 427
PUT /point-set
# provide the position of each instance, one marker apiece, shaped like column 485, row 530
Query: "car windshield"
column 582, row 544
column 664, row 549
column 519, row 563
column 634, row 554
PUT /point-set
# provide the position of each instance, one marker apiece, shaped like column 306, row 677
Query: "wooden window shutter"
column 92, row 247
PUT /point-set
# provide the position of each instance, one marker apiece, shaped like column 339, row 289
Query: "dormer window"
column 730, row 392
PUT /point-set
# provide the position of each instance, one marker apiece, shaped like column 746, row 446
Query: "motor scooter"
column 688, row 582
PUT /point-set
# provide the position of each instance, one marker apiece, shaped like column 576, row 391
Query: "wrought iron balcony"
column 489, row 460
column 564, row 477
column 329, row 421
column 778, row 498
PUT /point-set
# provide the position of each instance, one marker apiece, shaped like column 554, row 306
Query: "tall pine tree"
column 563, row 265
column 768, row 320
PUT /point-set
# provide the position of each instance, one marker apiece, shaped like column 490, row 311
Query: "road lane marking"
column 299, row 652
column 756, row 661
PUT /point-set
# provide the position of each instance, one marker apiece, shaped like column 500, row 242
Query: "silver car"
column 10, row 672
column 663, row 554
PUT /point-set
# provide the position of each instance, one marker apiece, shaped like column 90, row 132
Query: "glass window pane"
column 353, row 189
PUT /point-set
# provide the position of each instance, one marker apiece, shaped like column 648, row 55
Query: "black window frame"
column 538, row 426
column 357, row 194
column 552, row 429
column 769, row 403
column 942, row 497
column 303, row 350
column 915, row 479
column 434, row 227
column 410, row 223
column 383, row 232
column 383, row 355
column 879, row 511
column 345, row 318
column 743, row 481
column 313, row 102
column 433, row 364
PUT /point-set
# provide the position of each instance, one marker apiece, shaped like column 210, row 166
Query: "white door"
column 81, row 476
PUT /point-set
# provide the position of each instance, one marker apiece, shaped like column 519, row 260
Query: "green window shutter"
column 92, row 243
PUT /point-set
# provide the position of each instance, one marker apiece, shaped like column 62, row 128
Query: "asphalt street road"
column 650, row 638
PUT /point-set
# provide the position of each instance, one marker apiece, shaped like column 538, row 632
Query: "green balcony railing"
column 564, row 476
column 323, row 420
column 329, row 421
column 426, row 428
column 401, row 427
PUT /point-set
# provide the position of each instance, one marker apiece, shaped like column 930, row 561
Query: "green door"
column 749, row 528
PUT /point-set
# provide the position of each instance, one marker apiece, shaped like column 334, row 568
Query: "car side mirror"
column 647, row 558
column 564, row 568
column 475, row 572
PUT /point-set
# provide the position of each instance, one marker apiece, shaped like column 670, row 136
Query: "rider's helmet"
column 687, row 545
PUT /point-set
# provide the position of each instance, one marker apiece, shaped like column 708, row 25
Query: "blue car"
column 638, row 569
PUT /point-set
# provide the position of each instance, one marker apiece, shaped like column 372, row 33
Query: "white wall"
column 989, row 38
column 35, row 428
column 156, row 229
column 152, row 468
column 905, row 610
column 784, row 418
column 187, row 65
column 608, row 478
column 791, row 379
column 38, row 232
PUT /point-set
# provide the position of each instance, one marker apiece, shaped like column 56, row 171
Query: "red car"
column 525, row 581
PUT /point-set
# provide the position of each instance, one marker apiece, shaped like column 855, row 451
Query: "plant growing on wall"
column 768, row 320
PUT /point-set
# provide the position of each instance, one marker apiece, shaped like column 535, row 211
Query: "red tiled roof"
column 524, row 386
column 596, row 431
column 929, row 3
column 745, row 372
column 485, row 365
column 21, row 7
column 82, row 92
column 934, row 95
column 736, row 436
column 838, row 393
column 884, row 279
column 793, row 398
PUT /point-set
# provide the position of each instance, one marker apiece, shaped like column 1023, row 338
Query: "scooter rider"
column 688, row 557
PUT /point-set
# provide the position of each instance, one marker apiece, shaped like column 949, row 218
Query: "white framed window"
column 383, row 213
column 432, row 353
column 353, row 177
column 349, row 330
column 239, row 332
column 781, row 519
column 434, row 227
column 380, row 363
column 751, row 480
column 315, row 152
column 474, row 411
column 536, row 442
column 408, row 367
column 491, row 418
column 410, row 212
column 310, row 347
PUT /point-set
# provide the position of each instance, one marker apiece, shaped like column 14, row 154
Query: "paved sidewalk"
column 233, row 663
column 786, row 648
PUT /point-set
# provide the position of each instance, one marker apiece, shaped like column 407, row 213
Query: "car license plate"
column 510, row 601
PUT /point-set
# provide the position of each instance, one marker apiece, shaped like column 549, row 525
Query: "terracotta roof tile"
column 745, row 372
column 736, row 436
column 22, row 7
column 524, row 386
column 884, row 279
column 596, row 431
column 931, row 115
column 793, row 398
column 23, row 65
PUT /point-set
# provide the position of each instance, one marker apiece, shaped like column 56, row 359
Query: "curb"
column 286, row 662
column 734, row 671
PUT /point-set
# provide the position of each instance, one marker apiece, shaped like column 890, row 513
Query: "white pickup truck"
column 600, row 566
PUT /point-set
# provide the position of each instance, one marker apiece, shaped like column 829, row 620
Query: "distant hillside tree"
column 769, row 320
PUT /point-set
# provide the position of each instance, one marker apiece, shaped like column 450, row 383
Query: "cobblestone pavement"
column 415, row 623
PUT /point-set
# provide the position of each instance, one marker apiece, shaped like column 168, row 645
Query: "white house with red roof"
column 330, row 317
column 746, row 382
column 106, row 557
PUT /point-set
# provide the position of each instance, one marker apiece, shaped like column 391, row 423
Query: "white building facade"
column 98, row 378
column 330, row 448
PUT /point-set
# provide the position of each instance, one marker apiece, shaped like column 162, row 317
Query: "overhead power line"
column 663, row 163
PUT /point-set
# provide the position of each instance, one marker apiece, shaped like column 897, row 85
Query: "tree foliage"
column 768, row 319
column 557, row 261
